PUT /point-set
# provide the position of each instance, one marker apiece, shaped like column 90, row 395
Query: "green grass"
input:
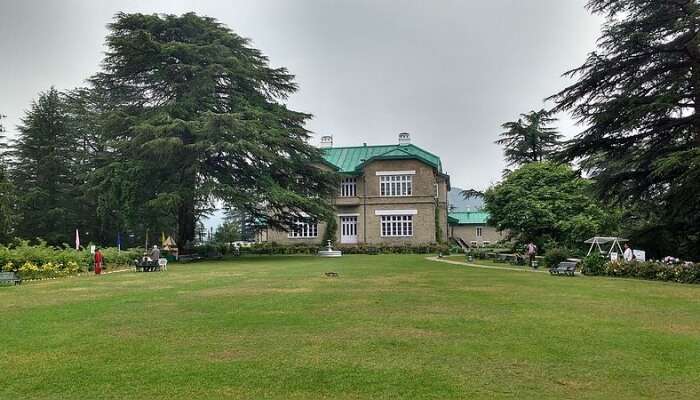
column 389, row 327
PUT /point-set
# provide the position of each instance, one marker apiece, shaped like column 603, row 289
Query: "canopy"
column 596, row 241
column 604, row 239
column 169, row 243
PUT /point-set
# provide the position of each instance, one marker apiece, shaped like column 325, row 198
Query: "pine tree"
column 639, row 96
column 7, row 213
column 530, row 138
column 43, row 172
column 197, row 116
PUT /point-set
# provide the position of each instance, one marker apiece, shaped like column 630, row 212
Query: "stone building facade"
column 388, row 195
column 472, row 229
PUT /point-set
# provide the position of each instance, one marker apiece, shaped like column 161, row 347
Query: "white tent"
column 604, row 240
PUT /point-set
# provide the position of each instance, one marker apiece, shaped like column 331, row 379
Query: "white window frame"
column 348, row 187
column 303, row 229
column 395, row 226
column 396, row 185
column 479, row 231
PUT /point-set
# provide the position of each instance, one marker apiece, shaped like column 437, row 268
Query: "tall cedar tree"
column 107, row 198
column 43, row 172
column 639, row 95
column 197, row 115
column 6, row 193
column 530, row 138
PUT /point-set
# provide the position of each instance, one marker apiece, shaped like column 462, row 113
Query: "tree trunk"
column 186, row 223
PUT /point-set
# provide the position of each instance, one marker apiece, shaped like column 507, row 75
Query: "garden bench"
column 146, row 266
column 564, row 268
column 189, row 257
column 10, row 277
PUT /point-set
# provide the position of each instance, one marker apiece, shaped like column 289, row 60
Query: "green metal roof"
column 352, row 159
column 468, row 218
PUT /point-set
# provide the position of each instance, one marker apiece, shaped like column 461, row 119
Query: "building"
column 472, row 229
column 390, row 194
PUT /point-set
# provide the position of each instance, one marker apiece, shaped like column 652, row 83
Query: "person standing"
column 98, row 261
column 532, row 253
column 155, row 254
column 628, row 254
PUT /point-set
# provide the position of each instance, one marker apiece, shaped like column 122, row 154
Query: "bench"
column 10, row 277
column 564, row 268
column 146, row 266
column 189, row 257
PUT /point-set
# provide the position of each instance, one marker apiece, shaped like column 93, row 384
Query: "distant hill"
column 458, row 202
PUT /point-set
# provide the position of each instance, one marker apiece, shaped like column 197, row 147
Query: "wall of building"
column 368, row 201
column 468, row 233
column 282, row 237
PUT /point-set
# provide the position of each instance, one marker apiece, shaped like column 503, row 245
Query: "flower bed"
column 42, row 261
column 680, row 273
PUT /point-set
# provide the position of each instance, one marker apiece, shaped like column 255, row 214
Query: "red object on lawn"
column 98, row 262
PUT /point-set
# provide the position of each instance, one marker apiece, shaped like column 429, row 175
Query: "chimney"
column 326, row 142
column 404, row 138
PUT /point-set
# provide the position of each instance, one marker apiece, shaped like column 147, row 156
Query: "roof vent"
column 404, row 138
column 326, row 142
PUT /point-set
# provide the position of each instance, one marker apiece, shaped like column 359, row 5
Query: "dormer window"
column 348, row 187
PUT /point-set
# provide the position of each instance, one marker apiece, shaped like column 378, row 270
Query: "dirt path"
column 485, row 266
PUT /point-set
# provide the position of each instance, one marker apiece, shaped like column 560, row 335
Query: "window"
column 395, row 185
column 397, row 225
column 437, row 191
column 486, row 243
column 303, row 229
column 348, row 187
column 479, row 231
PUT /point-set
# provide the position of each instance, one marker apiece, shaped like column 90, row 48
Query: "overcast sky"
column 448, row 72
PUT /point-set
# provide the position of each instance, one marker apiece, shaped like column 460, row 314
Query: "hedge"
column 680, row 273
column 274, row 248
column 43, row 261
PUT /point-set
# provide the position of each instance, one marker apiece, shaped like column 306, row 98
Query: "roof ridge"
column 421, row 149
column 360, row 147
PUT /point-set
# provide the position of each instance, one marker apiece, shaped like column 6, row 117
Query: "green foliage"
column 556, row 255
column 207, row 121
column 7, row 204
column 593, row 265
column 274, row 248
column 229, row 231
column 44, row 173
column 680, row 273
column 331, row 229
column 530, row 138
column 637, row 95
column 547, row 202
column 33, row 258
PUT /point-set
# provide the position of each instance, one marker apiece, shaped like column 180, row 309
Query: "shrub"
column 679, row 273
column 310, row 248
column 42, row 261
column 593, row 265
column 29, row 270
column 556, row 255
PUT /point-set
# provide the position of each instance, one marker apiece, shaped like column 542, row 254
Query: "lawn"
column 388, row 327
